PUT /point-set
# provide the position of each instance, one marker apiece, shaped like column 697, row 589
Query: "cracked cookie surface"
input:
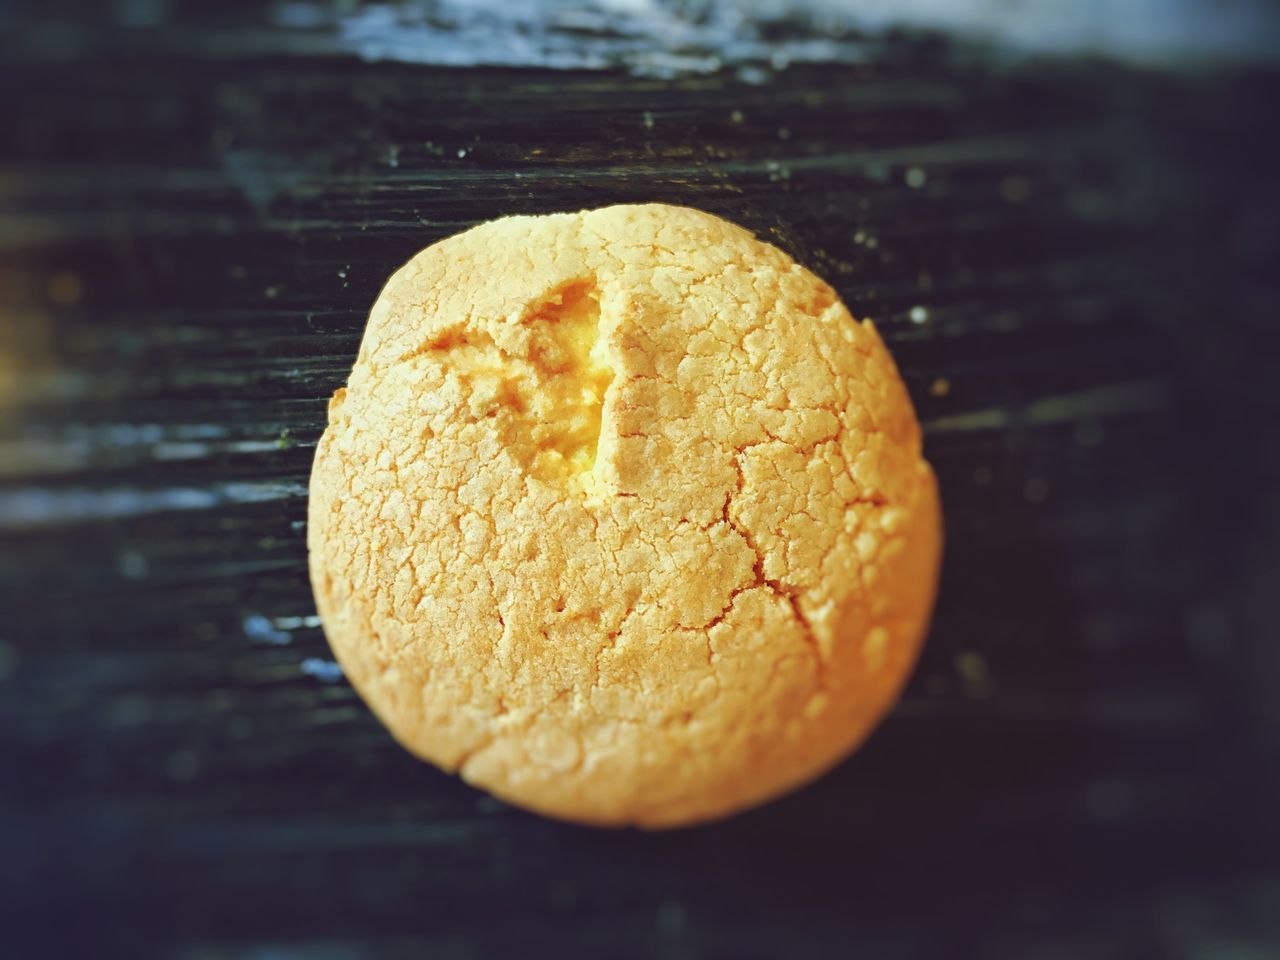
column 622, row 516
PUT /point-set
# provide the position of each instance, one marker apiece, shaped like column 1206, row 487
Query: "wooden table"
column 1075, row 265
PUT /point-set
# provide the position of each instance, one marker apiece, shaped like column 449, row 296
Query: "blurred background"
column 1062, row 218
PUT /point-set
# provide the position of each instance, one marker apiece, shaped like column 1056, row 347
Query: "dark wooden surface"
column 1074, row 264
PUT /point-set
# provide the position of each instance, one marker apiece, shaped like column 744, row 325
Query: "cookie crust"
column 622, row 516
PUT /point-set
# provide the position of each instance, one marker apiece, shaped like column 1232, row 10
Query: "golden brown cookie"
column 622, row 516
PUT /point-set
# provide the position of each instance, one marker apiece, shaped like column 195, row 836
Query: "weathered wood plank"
column 1073, row 266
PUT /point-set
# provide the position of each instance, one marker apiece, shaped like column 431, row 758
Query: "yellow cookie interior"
column 548, row 396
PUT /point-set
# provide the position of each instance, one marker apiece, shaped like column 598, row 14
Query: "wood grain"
column 1073, row 264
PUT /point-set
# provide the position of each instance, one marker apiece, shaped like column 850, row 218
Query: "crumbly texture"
column 622, row 516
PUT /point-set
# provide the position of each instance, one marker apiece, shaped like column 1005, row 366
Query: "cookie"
column 622, row 516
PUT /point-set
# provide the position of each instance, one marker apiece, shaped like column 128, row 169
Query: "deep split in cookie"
column 549, row 400
column 570, row 357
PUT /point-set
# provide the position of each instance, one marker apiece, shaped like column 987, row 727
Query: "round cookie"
column 622, row 516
